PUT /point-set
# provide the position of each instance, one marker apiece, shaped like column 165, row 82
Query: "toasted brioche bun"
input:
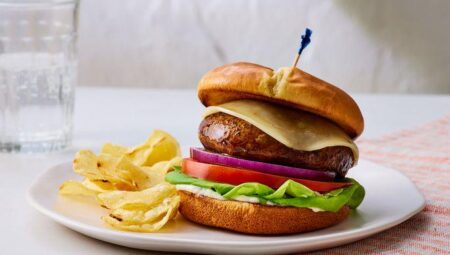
column 296, row 89
column 254, row 218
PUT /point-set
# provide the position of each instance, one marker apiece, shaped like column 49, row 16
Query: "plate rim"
column 351, row 235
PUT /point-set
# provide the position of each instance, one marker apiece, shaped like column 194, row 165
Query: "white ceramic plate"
column 391, row 198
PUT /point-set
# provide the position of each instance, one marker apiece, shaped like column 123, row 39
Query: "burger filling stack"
column 277, row 146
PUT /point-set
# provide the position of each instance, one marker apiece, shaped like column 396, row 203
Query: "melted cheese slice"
column 295, row 129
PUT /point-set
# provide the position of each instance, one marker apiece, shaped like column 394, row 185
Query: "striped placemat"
column 423, row 154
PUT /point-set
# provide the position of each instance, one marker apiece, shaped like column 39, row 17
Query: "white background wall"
column 400, row 46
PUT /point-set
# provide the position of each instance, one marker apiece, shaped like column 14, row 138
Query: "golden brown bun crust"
column 299, row 90
column 254, row 218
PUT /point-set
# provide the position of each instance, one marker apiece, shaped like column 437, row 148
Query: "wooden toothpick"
column 306, row 39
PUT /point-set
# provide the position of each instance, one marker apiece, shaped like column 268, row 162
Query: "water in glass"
column 38, row 71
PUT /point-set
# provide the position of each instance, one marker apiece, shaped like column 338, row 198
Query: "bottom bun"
column 255, row 218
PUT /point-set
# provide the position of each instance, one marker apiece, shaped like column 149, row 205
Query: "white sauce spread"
column 199, row 191
column 247, row 199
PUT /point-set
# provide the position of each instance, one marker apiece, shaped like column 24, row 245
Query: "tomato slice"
column 236, row 176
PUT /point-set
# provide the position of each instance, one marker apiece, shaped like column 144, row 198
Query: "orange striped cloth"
column 423, row 154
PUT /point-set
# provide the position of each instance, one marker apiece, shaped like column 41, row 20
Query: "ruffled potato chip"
column 114, row 150
column 75, row 188
column 120, row 172
column 130, row 182
column 148, row 197
column 144, row 221
column 98, row 186
column 131, row 173
column 159, row 146
column 144, row 211
column 157, row 172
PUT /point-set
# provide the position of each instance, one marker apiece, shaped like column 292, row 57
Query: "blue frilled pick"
column 306, row 40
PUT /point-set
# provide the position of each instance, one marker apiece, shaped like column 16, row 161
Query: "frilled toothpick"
column 306, row 39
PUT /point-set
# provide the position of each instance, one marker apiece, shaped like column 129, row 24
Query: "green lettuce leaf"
column 291, row 193
column 249, row 189
column 293, row 189
column 177, row 177
column 351, row 196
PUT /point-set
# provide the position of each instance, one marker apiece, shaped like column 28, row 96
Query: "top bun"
column 296, row 89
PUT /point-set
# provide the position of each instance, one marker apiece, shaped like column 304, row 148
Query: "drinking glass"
column 38, row 73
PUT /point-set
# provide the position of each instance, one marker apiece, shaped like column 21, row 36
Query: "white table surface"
column 127, row 116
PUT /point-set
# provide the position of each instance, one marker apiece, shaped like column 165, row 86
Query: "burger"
column 277, row 148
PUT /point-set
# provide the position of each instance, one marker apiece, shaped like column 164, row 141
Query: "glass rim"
column 35, row 3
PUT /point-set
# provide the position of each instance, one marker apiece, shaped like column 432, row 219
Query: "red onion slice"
column 294, row 172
